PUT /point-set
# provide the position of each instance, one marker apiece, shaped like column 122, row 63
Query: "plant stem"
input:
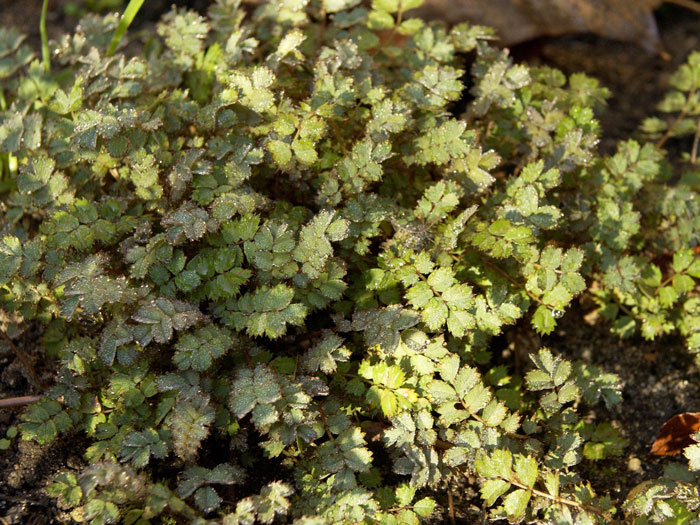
column 124, row 22
column 625, row 310
column 45, row 56
column 696, row 139
column 450, row 506
column 512, row 280
column 399, row 17
column 4, row 158
column 673, row 124
column 322, row 415
column 563, row 501
column 247, row 358
column 12, row 402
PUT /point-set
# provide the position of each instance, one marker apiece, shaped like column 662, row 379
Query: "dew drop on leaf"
column 557, row 314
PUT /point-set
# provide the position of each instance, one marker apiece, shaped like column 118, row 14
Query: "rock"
column 634, row 464
column 520, row 20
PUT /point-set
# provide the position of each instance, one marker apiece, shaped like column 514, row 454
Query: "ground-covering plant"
column 270, row 255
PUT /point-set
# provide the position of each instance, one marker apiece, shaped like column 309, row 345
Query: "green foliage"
column 681, row 100
column 45, row 57
column 130, row 13
column 270, row 260
column 10, row 434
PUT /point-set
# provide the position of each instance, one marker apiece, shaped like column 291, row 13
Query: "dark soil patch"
column 660, row 380
column 27, row 467
column 660, row 377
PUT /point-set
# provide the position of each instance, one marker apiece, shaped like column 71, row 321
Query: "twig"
column 563, row 501
column 11, row 402
column 696, row 139
column 450, row 507
column 663, row 53
column 247, row 358
column 511, row 279
column 25, row 362
column 688, row 4
column 325, row 423
column 671, row 126
column 399, row 17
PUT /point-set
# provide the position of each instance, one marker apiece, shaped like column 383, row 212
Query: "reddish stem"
column 12, row 402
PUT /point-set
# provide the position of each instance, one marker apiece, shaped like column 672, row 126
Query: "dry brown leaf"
column 675, row 434
column 520, row 20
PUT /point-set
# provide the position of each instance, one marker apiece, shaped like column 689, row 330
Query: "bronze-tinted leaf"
column 675, row 434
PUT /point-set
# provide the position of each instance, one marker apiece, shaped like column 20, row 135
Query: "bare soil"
column 660, row 377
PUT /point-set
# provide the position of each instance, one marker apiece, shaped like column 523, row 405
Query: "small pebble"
column 634, row 464
column 587, row 354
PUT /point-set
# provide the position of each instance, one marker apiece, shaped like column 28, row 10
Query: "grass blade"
column 129, row 14
column 45, row 56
